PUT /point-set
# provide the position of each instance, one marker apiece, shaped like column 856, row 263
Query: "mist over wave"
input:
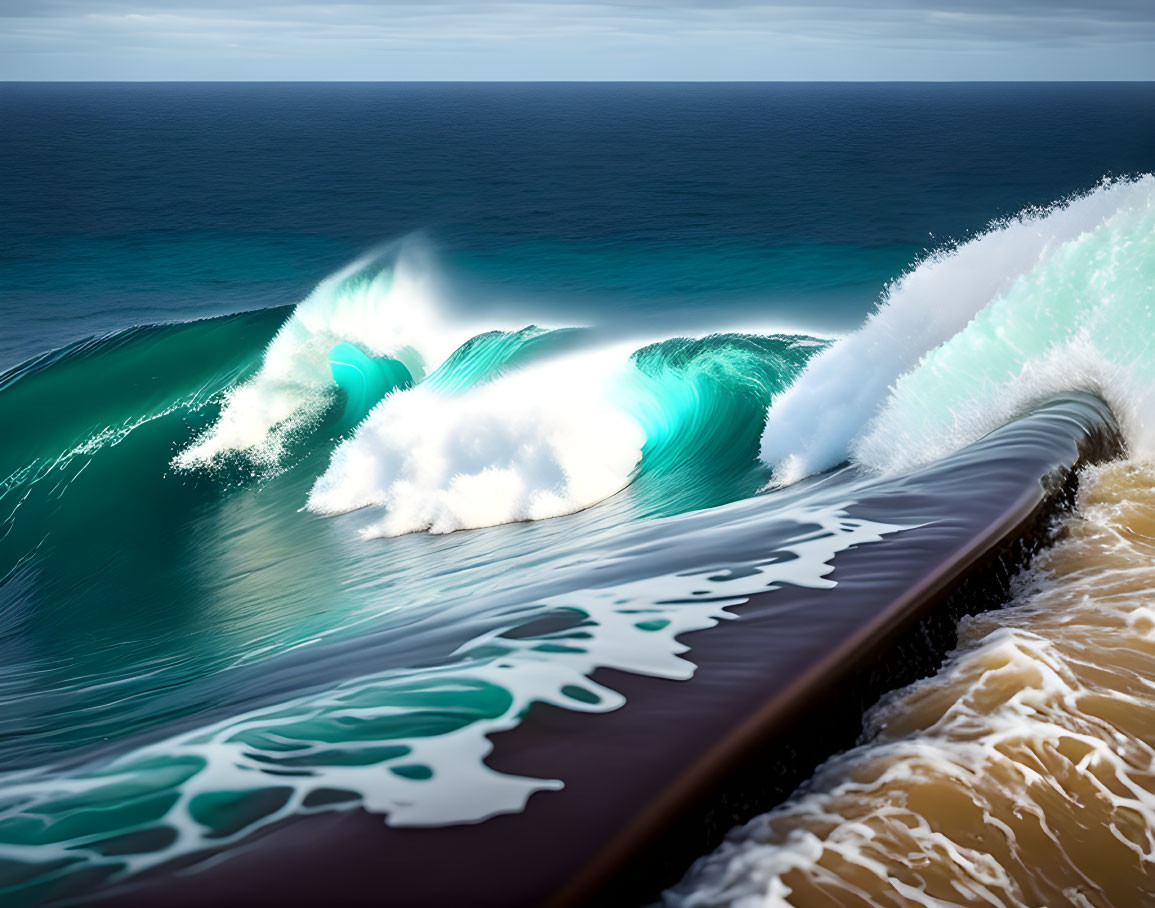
column 511, row 425
column 525, row 423
column 497, row 426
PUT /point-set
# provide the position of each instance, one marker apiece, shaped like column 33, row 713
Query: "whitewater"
column 502, row 425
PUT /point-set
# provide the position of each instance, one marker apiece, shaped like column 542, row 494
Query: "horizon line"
column 18, row 81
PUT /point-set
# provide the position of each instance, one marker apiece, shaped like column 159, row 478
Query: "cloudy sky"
column 577, row 39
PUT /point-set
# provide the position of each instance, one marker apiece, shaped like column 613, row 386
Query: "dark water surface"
column 703, row 204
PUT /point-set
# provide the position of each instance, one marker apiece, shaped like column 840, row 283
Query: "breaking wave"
column 1053, row 300
column 500, row 424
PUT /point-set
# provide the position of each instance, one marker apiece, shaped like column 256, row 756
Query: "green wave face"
column 702, row 404
column 363, row 380
column 86, row 428
column 485, row 356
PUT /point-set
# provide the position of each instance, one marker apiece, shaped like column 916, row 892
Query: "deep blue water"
column 135, row 203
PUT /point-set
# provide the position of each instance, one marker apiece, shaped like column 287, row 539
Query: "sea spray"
column 1082, row 320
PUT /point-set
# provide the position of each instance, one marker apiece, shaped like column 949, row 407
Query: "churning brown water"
column 1023, row 773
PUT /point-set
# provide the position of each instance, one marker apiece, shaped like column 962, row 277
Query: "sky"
column 570, row 40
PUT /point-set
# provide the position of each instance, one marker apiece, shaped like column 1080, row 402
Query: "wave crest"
column 538, row 443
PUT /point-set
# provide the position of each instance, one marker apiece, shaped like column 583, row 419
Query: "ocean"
column 370, row 450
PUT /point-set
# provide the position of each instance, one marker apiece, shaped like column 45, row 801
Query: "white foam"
column 1019, row 275
column 1039, row 723
column 545, row 441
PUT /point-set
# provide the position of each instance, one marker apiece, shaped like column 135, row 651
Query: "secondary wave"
column 80, row 424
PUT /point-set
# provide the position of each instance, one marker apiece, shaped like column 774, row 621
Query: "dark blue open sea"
column 317, row 400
